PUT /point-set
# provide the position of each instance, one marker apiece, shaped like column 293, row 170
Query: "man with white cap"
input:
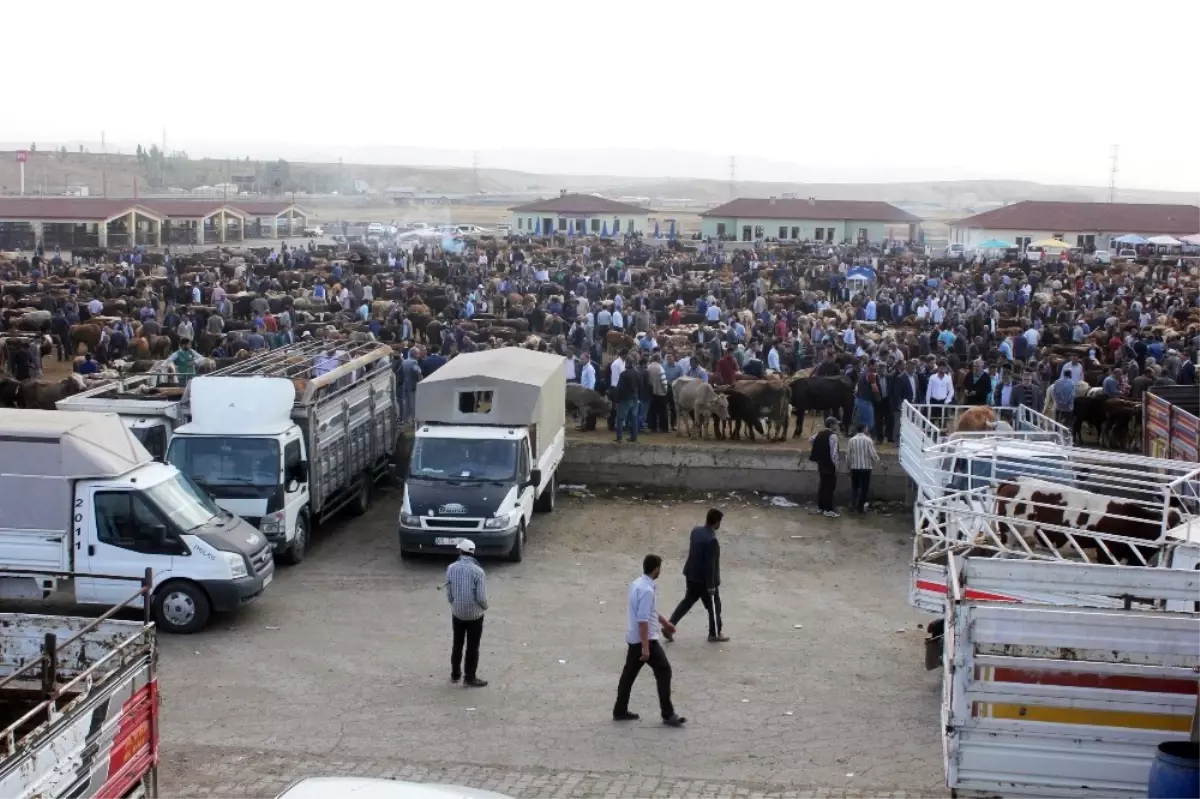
column 466, row 591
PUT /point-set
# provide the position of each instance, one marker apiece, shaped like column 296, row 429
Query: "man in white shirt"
column 714, row 313
column 939, row 391
column 615, row 369
column 644, row 626
column 95, row 307
column 587, row 372
column 618, row 321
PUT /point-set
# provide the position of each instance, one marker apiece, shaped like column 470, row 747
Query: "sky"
column 839, row 91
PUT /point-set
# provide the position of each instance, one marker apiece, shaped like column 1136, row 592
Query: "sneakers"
column 472, row 682
column 832, row 514
column 675, row 720
column 718, row 639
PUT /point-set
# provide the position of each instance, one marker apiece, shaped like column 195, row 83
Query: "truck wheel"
column 299, row 546
column 180, row 607
column 517, row 553
column 545, row 503
column 363, row 500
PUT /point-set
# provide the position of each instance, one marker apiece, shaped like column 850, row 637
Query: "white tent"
column 1192, row 239
column 1164, row 241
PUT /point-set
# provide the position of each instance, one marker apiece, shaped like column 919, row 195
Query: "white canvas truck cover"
column 508, row 387
column 43, row 452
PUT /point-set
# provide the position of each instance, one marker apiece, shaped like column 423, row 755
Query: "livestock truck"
column 79, row 494
column 151, row 411
column 1070, row 699
column 288, row 438
column 80, row 701
column 489, row 437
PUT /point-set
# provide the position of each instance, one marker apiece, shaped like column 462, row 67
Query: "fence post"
column 50, row 666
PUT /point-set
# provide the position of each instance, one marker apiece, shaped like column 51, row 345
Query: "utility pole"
column 475, row 168
column 732, row 176
column 1112, row 173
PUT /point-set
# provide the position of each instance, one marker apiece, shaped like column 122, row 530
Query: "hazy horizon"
column 935, row 92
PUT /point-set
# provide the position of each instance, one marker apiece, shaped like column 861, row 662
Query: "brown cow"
column 160, row 346
column 43, row 394
column 976, row 420
column 85, row 333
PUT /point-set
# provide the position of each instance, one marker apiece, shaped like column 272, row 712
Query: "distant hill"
column 152, row 172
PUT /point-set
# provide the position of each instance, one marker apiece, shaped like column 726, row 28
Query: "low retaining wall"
column 716, row 468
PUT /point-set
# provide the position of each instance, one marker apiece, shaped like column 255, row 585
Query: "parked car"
column 1127, row 254
column 375, row 229
column 956, row 251
column 1100, row 257
column 314, row 231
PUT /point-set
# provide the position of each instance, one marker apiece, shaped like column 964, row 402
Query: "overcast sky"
column 838, row 91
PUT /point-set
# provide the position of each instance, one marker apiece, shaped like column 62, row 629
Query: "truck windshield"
column 463, row 459
column 154, row 439
column 227, row 461
column 183, row 503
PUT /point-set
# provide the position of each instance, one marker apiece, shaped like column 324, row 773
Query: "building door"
column 747, row 233
column 862, row 234
column 547, row 226
column 720, row 230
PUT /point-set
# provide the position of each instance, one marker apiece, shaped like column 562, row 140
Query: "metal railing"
column 48, row 662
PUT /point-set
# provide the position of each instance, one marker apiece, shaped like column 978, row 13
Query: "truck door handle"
column 91, row 550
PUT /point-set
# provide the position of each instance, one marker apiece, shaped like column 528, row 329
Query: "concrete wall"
column 843, row 228
column 698, row 467
column 526, row 222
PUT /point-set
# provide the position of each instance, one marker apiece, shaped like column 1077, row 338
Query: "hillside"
column 125, row 175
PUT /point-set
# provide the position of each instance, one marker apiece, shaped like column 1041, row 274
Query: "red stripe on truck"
column 971, row 593
column 1114, row 682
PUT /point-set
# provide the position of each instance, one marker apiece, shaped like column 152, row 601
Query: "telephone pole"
column 732, row 177
column 475, row 168
column 1112, row 173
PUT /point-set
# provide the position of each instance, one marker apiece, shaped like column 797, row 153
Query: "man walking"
column 861, row 457
column 643, row 647
column 825, row 454
column 702, row 576
column 466, row 591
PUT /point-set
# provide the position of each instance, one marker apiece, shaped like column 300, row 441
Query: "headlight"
column 499, row 522
column 272, row 523
column 409, row 520
column 237, row 564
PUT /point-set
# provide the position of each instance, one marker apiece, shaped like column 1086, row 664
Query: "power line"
column 1112, row 174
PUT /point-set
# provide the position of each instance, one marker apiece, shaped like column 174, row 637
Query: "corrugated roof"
column 87, row 209
column 191, row 209
column 266, row 207
column 1061, row 217
column 765, row 208
column 580, row 204
column 512, row 364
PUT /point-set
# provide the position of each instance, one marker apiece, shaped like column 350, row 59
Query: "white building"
column 1088, row 225
column 578, row 214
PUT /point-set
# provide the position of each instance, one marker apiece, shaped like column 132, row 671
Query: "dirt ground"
column 341, row 668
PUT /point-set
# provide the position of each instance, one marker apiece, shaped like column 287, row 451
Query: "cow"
column 1113, row 418
column 743, row 410
column 824, row 395
column 87, row 334
column 770, row 399
column 10, row 392
column 697, row 402
column 976, row 420
column 1039, row 502
column 587, row 403
column 43, row 394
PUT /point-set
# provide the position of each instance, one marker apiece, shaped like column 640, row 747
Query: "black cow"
column 833, row 395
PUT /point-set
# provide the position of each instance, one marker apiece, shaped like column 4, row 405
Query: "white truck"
column 80, row 494
column 80, row 699
column 288, row 438
column 489, row 436
column 151, row 411
column 1070, row 699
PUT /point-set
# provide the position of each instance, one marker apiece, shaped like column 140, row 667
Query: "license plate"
column 267, row 580
column 446, row 542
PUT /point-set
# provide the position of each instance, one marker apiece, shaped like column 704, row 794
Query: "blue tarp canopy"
column 995, row 244
column 604, row 230
column 860, row 273
column 1131, row 238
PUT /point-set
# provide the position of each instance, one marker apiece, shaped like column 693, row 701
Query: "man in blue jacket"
column 905, row 386
column 702, row 576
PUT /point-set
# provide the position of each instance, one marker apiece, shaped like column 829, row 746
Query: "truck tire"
column 180, row 607
column 545, row 503
column 517, row 553
column 362, row 500
column 299, row 546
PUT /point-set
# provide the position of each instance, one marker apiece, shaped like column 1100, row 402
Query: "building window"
column 1088, row 242
column 720, row 230
column 758, row 231
column 783, row 231
column 1023, row 241
column 520, row 223
column 595, row 225
column 795, row 233
column 616, row 224
column 580, row 225
column 820, row 234
column 562, row 223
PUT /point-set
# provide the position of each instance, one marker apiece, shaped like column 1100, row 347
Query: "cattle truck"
column 80, row 698
column 1070, row 699
column 1015, row 500
column 80, row 494
column 288, row 438
column 489, row 436
column 151, row 411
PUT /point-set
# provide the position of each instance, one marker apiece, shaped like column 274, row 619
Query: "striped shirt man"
column 861, row 453
column 466, row 589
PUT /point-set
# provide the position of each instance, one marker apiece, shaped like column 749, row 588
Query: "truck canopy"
column 44, row 452
column 133, row 396
column 511, row 386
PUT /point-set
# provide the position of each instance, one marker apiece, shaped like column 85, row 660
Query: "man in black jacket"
column 702, row 576
column 979, row 385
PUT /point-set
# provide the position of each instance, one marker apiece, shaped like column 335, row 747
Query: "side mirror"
column 158, row 535
column 293, row 486
column 535, row 478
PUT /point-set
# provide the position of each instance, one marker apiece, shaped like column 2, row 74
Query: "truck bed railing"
column 312, row 365
column 48, row 662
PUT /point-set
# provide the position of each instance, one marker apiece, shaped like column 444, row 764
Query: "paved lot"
column 342, row 668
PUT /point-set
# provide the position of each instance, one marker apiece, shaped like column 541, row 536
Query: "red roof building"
column 1079, row 224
